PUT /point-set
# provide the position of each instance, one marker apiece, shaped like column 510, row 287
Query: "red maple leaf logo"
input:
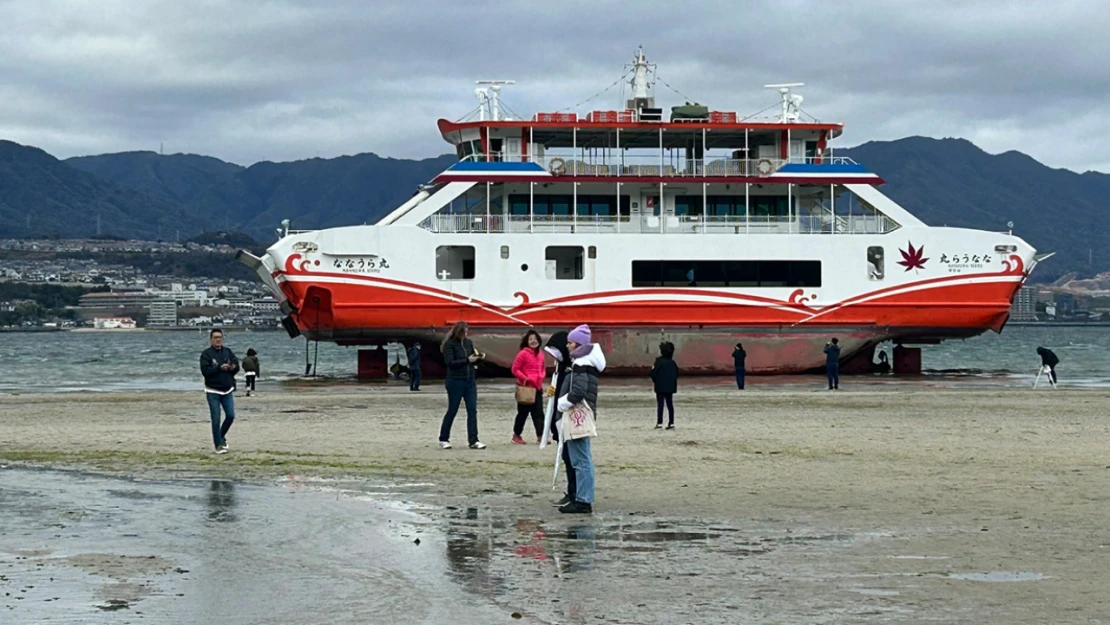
column 913, row 258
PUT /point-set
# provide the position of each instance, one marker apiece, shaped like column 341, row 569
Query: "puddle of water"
column 74, row 547
column 999, row 576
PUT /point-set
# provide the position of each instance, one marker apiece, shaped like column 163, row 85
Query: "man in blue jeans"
column 219, row 365
column 832, row 364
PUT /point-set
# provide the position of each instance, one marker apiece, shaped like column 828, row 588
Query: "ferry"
column 699, row 226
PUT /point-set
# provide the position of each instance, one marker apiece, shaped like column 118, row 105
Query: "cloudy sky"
column 250, row 80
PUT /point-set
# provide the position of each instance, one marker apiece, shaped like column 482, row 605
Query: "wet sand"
column 791, row 503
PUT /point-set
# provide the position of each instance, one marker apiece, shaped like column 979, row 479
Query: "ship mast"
column 791, row 103
column 641, row 84
column 489, row 98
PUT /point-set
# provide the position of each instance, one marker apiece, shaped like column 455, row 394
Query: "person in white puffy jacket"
column 587, row 362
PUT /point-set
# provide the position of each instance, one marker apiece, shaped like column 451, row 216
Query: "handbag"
column 580, row 421
column 525, row 394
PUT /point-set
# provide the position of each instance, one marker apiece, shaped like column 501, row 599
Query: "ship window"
column 770, row 206
column 504, row 251
column 455, row 262
column 726, row 273
column 518, row 204
column 544, row 204
column 565, row 263
column 592, row 252
column 875, row 263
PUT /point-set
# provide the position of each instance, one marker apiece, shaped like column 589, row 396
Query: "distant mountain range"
column 147, row 195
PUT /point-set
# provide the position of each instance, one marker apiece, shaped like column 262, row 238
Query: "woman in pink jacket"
column 529, row 371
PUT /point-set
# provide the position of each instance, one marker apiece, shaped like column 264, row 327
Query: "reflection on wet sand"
column 222, row 501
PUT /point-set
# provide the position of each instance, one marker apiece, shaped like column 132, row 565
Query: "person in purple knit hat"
column 587, row 361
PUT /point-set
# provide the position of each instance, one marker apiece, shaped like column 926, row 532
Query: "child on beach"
column 664, row 375
column 251, row 370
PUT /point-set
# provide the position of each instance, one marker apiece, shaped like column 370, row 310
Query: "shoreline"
column 786, row 500
column 384, row 431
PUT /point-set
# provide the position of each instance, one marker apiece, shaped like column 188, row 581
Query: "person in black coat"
column 738, row 358
column 832, row 364
column 462, row 385
column 414, row 367
column 557, row 348
column 1048, row 359
column 664, row 374
column 219, row 366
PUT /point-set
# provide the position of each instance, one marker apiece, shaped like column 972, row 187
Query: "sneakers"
column 577, row 507
column 444, row 445
column 670, row 426
column 221, row 450
column 564, row 501
column 477, row 445
column 518, row 440
column 658, row 426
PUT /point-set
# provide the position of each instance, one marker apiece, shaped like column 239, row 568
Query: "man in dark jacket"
column 664, row 375
column 1049, row 359
column 414, row 367
column 738, row 358
column 832, row 363
column 218, row 366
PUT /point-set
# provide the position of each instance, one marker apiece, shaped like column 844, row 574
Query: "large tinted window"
column 726, row 273
column 545, row 204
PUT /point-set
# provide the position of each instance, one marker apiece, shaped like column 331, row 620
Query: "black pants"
column 414, row 379
column 459, row 391
column 522, row 411
column 250, row 381
column 1052, row 372
column 668, row 399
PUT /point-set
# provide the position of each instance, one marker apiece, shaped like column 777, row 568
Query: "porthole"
column 591, row 252
column 524, row 267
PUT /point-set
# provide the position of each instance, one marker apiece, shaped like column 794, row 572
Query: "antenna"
column 790, row 103
column 490, row 96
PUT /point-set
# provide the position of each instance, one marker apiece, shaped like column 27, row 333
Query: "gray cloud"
column 284, row 79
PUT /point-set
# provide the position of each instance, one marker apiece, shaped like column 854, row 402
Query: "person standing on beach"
column 1048, row 359
column 219, row 366
column 529, row 370
column 664, row 376
column 832, row 363
column 251, row 370
column 738, row 361
column 462, row 385
column 414, row 367
column 557, row 347
column 587, row 362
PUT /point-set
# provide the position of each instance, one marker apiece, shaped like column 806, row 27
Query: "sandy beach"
column 933, row 483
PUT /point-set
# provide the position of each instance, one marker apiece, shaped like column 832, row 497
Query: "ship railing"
column 777, row 224
column 645, row 165
column 693, row 224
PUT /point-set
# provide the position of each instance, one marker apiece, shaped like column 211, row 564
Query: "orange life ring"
column 765, row 167
column 557, row 166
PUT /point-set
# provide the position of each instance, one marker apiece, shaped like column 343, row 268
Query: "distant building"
column 132, row 299
column 1024, row 306
column 265, row 305
column 163, row 312
column 114, row 323
column 1065, row 304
